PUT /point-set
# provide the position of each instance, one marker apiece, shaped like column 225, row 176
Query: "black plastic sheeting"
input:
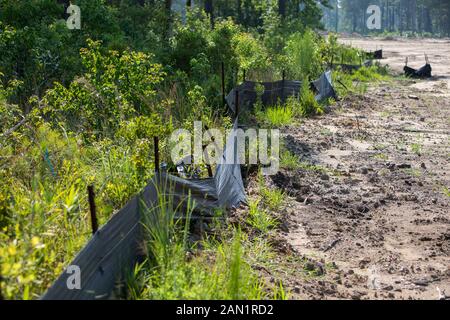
column 112, row 250
column 422, row 73
column 378, row 54
column 116, row 247
column 274, row 93
column 324, row 87
column 277, row 92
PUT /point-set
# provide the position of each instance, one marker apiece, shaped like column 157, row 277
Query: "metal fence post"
column 156, row 150
column 92, row 209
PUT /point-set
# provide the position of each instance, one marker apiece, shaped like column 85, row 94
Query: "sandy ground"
column 368, row 214
column 396, row 51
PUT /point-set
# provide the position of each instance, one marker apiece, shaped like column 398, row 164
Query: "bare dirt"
column 368, row 212
column 396, row 50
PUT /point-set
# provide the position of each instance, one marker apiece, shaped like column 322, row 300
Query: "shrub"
column 308, row 104
column 303, row 55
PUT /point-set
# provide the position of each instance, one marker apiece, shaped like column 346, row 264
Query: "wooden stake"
column 156, row 150
column 93, row 209
column 208, row 166
column 223, row 84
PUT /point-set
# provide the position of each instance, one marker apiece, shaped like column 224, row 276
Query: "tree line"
column 38, row 49
column 400, row 16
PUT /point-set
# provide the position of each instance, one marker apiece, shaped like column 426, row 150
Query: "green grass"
column 272, row 198
column 370, row 74
column 313, row 167
column 46, row 213
column 277, row 116
column 413, row 172
column 381, row 156
column 288, row 160
column 357, row 82
column 221, row 273
column 446, row 191
column 177, row 269
column 308, row 105
column 416, row 148
column 282, row 115
column 326, row 132
column 259, row 218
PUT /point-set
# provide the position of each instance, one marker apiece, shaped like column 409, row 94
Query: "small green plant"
column 271, row 197
column 381, row 156
column 368, row 74
column 259, row 218
column 288, row 160
column 412, row 172
column 416, row 148
column 308, row 104
column 326, row 132
column 279, row 116
column 312, row 167
column 280, row 293
column 446, row 191
column 303, row 53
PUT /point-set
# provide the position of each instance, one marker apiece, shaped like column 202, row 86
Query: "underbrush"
column 277, row 116
column 293, row 109
column 217, row 267
column 44, row 203
column 357, row 82
column 259, row 218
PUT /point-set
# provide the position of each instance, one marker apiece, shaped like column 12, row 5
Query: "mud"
column 369, row 207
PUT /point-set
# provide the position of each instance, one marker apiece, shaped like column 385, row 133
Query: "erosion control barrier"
column 352, row 67
column 118, row 245
column 275, row 92
column 272, row 93
column 422, row 73
column 324, row 87
column 378, row 54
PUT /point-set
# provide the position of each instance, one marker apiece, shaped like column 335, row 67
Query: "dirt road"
column 368, row 214
column 396, row 51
